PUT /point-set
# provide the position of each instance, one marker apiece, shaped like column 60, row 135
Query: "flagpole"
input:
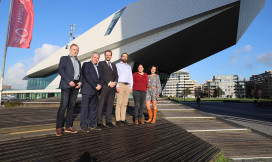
column 5, row 53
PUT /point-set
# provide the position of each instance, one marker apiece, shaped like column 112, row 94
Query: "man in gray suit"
column 70, row 72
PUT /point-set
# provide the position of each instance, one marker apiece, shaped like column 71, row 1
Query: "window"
column 114, row 21
column 41, row 82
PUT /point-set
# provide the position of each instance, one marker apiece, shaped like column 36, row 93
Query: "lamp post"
column 72, row 33
column 184, row 87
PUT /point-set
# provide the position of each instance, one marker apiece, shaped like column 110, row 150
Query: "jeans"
column 68, row 101
column 139, row 100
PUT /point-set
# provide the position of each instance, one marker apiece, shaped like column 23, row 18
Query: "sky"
column 250, row 56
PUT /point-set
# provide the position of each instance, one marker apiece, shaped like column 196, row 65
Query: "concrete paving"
column 245, row 114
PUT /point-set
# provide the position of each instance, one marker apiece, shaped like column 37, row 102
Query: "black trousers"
column 139, row 100
column 68, row 101
column 88, row 114
column 106, row 100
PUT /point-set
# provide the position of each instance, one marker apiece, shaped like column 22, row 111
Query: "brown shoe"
column 141, row 121
column 71, row 130
column 59, row 132
column 136, row 122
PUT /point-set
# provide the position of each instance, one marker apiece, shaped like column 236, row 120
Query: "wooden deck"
column 161, row 142
column 236, row 142
column 28, row 134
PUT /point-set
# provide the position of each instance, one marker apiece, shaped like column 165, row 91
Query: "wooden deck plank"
column 183, row 114
column 244, row 144
column 140, row 143
column 202, row 124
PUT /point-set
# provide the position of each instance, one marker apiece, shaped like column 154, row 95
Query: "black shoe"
column 101, row 126
column 110, row 125
column 118, row 123
column 125, row 122
column 86, row 130
column 95, row 129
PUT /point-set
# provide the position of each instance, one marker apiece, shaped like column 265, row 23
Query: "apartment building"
column 260, row 86
column 177, row 84
column 229, row 84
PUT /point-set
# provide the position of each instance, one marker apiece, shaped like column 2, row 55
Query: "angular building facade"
column 171, row 34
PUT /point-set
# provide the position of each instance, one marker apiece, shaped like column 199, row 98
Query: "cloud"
column 43, row 52
column 223, row 66
column 265, row 58
column 18, row 71
column 249, row 63
column 184, row 70
column 15, row 75
column 238, row 52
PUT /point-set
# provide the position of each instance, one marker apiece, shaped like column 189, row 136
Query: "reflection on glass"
column 41, row 82
column 114, row 21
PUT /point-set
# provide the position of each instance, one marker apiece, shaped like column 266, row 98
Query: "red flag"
column 22, row 20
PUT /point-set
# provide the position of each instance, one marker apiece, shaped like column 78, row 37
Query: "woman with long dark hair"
column 140, row 80
column 153, row 92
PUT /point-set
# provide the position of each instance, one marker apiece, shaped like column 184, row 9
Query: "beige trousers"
column 122, row 101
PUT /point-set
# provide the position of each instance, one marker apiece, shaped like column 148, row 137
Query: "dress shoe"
column 71, row 130
column 124, row 122
column 141, row 121
column 95, row 129
column 118, row 123
column 59, row 132
column 101, row 126
column 85, row 130
column 110, row 125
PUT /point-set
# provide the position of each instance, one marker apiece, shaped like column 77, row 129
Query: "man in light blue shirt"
column 123, row 88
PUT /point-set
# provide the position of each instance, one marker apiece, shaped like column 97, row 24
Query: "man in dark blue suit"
column 70, row 72
column 92, row 82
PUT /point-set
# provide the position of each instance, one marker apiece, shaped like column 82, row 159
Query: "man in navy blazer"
column 70, row 72
column 92, row 82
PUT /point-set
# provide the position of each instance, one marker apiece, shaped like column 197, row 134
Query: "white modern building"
column 171, row 34
column 177, row 83
column 230, row 85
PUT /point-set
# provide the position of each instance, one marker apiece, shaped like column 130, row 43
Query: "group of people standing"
column 99, row 81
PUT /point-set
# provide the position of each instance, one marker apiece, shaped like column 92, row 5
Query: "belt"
column 126, row 83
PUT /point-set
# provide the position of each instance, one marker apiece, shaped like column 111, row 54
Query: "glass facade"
column 36, row 96
column 41, row 82
column 114, row 21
